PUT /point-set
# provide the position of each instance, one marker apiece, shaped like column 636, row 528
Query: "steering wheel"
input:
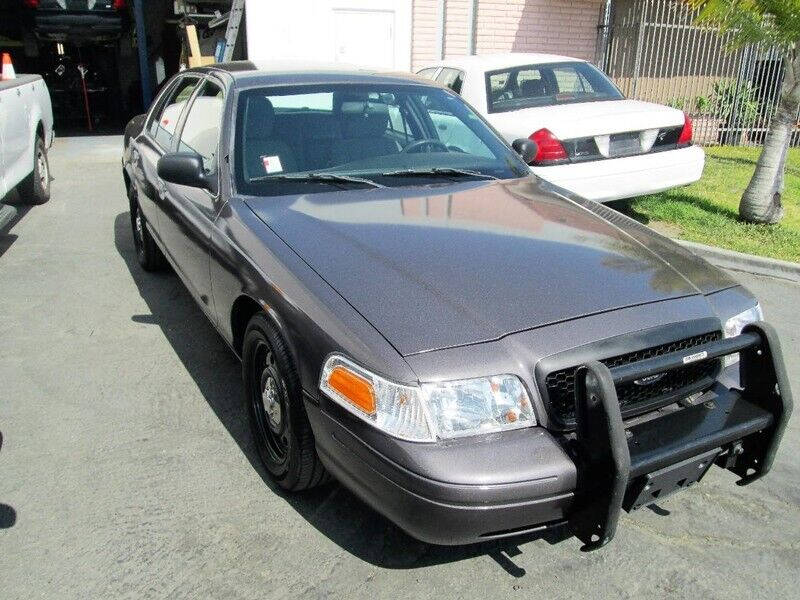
column 422, row 143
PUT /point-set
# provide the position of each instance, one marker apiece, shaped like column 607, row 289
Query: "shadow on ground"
column 8, row 516
column 628, row 207
column 331, row 509
column 11, row 202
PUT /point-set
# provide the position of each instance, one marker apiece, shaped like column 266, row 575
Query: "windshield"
column 547, row 85
column 306, row 139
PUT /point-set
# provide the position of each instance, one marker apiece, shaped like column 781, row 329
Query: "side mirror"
column 527, row 149
column 184, row 168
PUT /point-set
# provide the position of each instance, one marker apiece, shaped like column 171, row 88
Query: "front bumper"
column 619, row 178
column 524, row 481
column 449, row 512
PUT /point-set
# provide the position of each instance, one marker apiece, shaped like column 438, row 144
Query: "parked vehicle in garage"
column 76, row 20
column 592, row 140
column 26, row 132
column 473, row 351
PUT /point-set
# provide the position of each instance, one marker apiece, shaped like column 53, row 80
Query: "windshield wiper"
column 437, row 172
column 317, row 177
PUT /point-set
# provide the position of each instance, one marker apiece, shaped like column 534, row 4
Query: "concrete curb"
column 738, row 261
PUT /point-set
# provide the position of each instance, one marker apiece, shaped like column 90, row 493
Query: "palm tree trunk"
column 761, row 202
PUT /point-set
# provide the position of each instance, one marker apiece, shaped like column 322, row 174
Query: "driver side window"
column 451, row 78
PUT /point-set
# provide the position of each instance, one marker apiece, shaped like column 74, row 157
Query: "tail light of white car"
column 551, row 150
column 685, row 138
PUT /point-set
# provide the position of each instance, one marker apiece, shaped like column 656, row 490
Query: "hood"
column 441, row 266
column 584, row 119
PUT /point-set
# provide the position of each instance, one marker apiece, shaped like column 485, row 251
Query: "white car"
column 26, row 132
column 591, row 139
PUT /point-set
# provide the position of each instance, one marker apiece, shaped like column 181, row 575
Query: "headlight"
column 735, row 324
column 431, row 411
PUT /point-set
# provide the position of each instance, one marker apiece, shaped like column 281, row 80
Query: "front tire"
column 35, row 188
column 274, row 403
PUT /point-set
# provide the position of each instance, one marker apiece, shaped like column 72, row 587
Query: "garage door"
column 364, row 37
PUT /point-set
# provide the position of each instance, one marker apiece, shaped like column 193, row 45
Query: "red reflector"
column 686, row 132
column 118, row 4
column 31, row 3
column 550, row 147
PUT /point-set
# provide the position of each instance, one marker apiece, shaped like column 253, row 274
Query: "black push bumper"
column 469, row 491
column 625, row 468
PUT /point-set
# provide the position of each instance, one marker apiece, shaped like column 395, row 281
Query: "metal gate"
column 656, row 52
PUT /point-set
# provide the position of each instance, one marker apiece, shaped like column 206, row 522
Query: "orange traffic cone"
column 8, row 68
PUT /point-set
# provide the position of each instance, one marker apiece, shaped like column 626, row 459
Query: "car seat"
column 363, row 125
column 533, row 88
column 259, row 141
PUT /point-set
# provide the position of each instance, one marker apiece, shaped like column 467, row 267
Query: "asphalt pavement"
column 126, row 469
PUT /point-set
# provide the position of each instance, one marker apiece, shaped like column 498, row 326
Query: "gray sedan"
column 474, row 352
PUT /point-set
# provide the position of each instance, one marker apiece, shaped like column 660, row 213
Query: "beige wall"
column 507, row 26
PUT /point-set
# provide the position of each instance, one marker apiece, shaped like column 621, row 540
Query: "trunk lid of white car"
column 586, row 119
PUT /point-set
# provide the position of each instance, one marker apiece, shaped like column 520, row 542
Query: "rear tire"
column 35, row 188
column 147, row 252
column 274, row 403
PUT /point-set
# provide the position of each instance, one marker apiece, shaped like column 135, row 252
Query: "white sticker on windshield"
column 272, row 164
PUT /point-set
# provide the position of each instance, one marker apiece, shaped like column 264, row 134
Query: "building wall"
column 425, row 23
column 560, row 27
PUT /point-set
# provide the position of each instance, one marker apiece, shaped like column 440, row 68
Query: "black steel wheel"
column 274, row 402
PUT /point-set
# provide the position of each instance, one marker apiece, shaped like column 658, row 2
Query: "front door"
column 16, row 148
column 189, row 212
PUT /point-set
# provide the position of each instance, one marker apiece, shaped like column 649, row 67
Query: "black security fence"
column 656, row 52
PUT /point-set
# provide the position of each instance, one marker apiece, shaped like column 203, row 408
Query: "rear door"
column 157, row 140
column 189, row 212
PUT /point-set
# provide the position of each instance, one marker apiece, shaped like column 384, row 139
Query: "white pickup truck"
column 26, row 132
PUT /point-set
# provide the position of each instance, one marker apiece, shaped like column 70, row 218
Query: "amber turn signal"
column 354, row 388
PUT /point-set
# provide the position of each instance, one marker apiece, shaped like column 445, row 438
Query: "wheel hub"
column 139, row 227
column 272, row 404
column 44, row 176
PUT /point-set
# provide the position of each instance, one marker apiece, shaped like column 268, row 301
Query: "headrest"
column 362, row 118
column 260, row 118
column 531, row 88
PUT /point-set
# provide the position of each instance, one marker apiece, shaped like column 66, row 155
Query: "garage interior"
column 91, row 55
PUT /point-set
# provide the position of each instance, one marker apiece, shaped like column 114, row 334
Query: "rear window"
column 548, row 84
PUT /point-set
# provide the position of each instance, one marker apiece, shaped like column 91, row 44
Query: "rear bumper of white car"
column 618, row 178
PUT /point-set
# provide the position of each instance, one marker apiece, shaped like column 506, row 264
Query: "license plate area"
column 656, row 486
column 624, row 144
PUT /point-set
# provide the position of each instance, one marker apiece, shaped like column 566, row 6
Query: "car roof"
column 249, row 73
column 490, row 62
